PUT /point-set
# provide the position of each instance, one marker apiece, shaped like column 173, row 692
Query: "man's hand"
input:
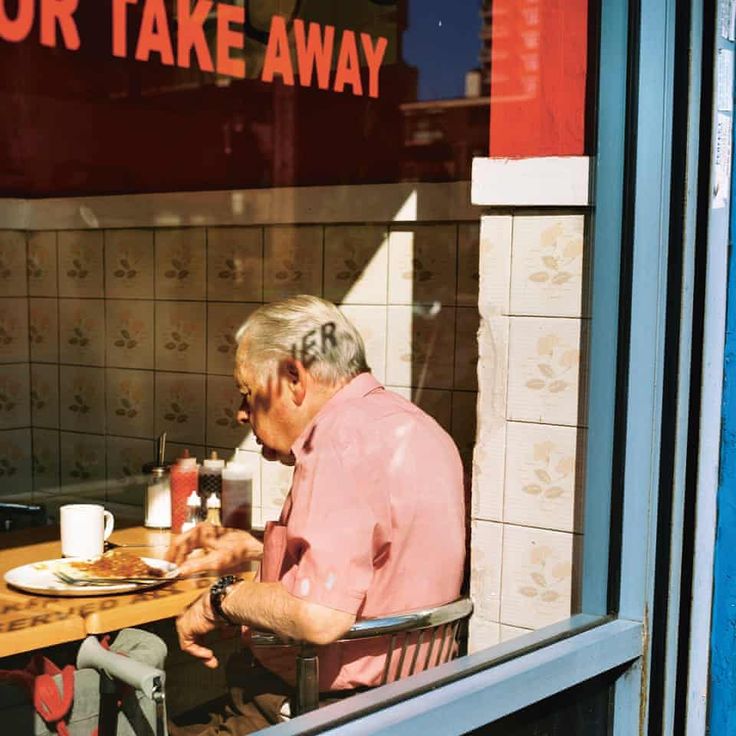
column 192, row 626
column 225, row 550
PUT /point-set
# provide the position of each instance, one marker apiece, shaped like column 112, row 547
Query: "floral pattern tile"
column 468, row 264
column 45, row 461
column 356, row 264
column 13, row 330
column 422, row 265
column 129, row 264
column 223, row 322
column 547, row 265
column 129, row 333
column 14, row 396
column 130, row 402
column 180, row 264
column 371, row 323
column 43, row 329
column 467, row 324
column 82, row 398
column 180, row 407
column 494, row 264
column 83, row 464
column 420, row 348
column 292, row 261
column 235, row 264
column 543, row 472
column 44, row 395
column 13, row 258
column 41, row 264
column 483, row 634
column 537, row 576
column 485, row 565
column 126, row 482
column 81, row 271
column 223, row 402
column 15, row 461
column 544, row 360
column 180, row 336
column 82, row 331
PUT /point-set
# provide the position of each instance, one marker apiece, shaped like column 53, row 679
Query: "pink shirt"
column 374, row 523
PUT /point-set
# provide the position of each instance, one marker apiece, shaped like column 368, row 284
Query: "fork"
column 71, row 580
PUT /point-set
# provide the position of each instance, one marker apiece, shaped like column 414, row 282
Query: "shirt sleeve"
column 337, row 528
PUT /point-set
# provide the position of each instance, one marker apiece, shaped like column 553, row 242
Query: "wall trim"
column 399, row 202
column 532, row 182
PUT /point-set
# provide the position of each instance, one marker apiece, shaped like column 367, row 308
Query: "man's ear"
column 296, row 380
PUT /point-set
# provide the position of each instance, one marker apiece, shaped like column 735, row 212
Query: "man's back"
column 375, row 522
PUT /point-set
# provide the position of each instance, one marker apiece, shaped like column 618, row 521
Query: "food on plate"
column 114, row 564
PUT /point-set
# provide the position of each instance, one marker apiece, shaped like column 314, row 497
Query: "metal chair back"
column 433, row 632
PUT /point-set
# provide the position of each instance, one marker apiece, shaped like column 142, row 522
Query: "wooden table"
column 29, row 621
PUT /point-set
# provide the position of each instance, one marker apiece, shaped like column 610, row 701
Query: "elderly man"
column 374, row 522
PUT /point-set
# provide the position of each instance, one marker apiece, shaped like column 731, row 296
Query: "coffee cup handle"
column 109, row 524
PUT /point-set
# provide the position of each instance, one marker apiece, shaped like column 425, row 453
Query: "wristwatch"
column 218, row 591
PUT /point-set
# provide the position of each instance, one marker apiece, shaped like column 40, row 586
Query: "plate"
column 38, row 577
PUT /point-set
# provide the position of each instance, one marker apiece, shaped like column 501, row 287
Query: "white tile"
column 43, row 329
column 356, row 264
column 275, row 486
column 180, row 407
column 45, row 395
column 371, row 322
column 537, row 576
column 129, row 333
column 223, row 402
column 543, row 476
column 422, row 264
column 42, row 265
column 486, row 543
column 129, row 264
column 130, row 403
column 15, row 461
column 180, row 264
column 544, row 360
column 235, row 264
column 547, row 265
column 81, row 264
column 483, row 634
column 181, row 336
column 495, row 265
column 468, row 264
column 15, row 411
column 82, row 398
column 13, row 281
column 292, row 261
column 420, row 347
column 82, row 331
column 13, row 330
column 512, row 632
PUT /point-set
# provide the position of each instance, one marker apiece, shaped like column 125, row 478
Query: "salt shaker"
column 158, row 498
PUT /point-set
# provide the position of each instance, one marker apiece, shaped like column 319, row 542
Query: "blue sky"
column 442, row 40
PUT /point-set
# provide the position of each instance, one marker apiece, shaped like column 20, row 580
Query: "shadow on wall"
column 110, row 337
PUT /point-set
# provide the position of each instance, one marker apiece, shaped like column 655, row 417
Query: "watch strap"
column 218, row 591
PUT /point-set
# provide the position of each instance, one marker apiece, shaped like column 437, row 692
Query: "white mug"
column 84, row 529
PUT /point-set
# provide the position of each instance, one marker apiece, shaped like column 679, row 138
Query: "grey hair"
column 306, row 328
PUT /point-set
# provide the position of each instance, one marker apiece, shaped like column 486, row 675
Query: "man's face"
column 268, row 409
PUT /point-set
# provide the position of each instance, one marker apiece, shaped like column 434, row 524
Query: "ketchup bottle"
column 184, row 480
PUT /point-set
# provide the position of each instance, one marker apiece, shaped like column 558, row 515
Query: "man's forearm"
column 270, row 607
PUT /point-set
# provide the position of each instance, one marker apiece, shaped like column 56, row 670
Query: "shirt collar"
column 361, row 385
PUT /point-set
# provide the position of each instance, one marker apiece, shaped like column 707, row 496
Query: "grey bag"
column 120, row 694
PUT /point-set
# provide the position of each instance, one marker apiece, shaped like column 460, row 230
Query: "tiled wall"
column 110, row 337
column 528, row 461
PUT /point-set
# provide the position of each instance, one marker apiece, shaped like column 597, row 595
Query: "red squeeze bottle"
column 184, row 480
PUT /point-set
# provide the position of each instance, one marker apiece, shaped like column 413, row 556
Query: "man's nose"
column 243, row 416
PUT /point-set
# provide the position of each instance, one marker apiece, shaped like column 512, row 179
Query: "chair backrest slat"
column 389, row 656
column 415, row 656
column 404, row 647
column 430, row 650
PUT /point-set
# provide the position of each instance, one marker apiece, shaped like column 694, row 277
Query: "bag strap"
column 49, row 703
